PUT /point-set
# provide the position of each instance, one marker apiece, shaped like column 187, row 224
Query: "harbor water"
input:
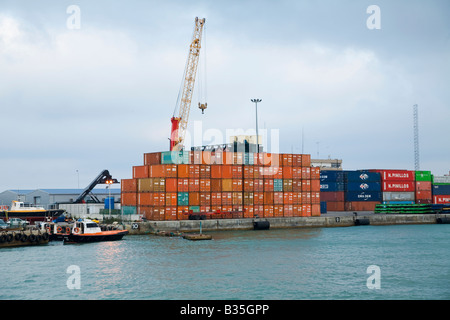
column 366, row 262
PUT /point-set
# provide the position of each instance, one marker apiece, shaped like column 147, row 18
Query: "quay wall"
column 279, row 222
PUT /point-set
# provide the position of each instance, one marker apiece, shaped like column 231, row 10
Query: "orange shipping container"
column 237, row 172
column 183, row 185
column 278, row 172
column 296, row 160
column 227, row 158
column 216, row 198
column 287, row 184
column 268, row 198
column 268, row 211
column 306, row 185
column 216, row 208
column 297, row 185
column 296, row 198
column 159, row 199
column 128, row 185
column 306, row 197
column 183, row 171
column 248, row 198
column 306, row 210
column 196, row 157
column 171, row 199
column 248, row 185
column 296, row 172
column 145, row 185
column 194, row 171
column 159, row 184
column 237, row 184
column 237, row 198
column 258, row 198
column 205, row 171
column 248, row 172
column 170, row 213
column 205, row 198
column 227, row 171
column 278, row 198
column 128, row 199
column 278, row 210
column 157, row 171
column 205, row 208
column 194, row 198
column 206, row 157
column 227, row 208
column 315, row 185
column 238, row 158
column 286, row 159
column 423, row 186
column 216, row 185
column 171, row 170
column 146, row 212
column 227, row 198
column 217, row 158
column 205, row 185
column 158, row 213
column 194, row 185
column 288, row 198
column 306, row 160
column 315, row 210
column 248, row 211
column 258, row 172
column 258, row 210
column 315, row 173
column 287, row 173
column 315, row 197
column 140, row 172
column 182, row 212
column 288, row 210
column 424, row 195
column 145, row 199
column 171, row 184
column 227, row 185
column 268, row 185
column 297, row 210
column 216, row 171
column 306, row 173
column 258, row 185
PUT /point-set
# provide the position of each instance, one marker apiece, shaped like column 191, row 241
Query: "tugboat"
column 86, row 230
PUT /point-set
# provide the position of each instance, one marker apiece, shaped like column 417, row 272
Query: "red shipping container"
column 227, row 171
column 183, row 185
column 237, row 172
column 146, row 212
column 306, row 185
column 152, row 158
column 360, row 205
column 183, row 171
column 315, row 197
column 288, row 210
column 216, row 198
column 315, row 210
column 216, row 185
column 268, row 211
column 396, row 175
column 158, row 213
column 258, row 185
column 205, row 198
column 171, row 184
column 424, row 195
column 306, row 197
column 423, row 186
column 258, row 198
column 445, row 199
column 227, row 198
column 170, row 213
column 141, row 172
column 258, row 172
column 268, row 185
column 205, row 185
column 401, row 186
column 194, row 184
column 278, row 198
column 296, row 198
column 248, row 185
column 194, row 198
column 128, row 199
column 286, row 159
column 335, row 206
column 278, row 172
column 296, row 185
column 194, row 171
column 216, row 171
column 332, row 196
column 237, row 184
column 296, row 160
column 296, row 172
column 128, row 185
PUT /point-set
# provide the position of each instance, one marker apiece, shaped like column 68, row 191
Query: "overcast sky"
column 101, row 96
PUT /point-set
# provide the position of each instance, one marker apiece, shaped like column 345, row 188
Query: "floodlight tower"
column 416, row 137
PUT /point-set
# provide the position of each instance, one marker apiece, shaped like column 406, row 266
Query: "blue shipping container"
column 331, row 176
column 331, row 186
column 363, row 196
column 441, row 189
column 362, row 176
column 363, row 186
column 277, row 184
column 109, row 203
column 323, row 207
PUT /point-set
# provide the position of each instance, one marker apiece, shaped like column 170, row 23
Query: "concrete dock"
column 332, row 219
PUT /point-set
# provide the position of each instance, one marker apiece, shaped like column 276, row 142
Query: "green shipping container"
column 183, row 198
column 194, row 208
column 423, row 176
column 175, row 157
column 277, row 184
column 129, row 210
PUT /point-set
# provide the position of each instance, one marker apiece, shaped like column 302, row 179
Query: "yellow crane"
column 179, row 123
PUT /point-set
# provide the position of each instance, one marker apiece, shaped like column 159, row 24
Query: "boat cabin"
column 84, row 226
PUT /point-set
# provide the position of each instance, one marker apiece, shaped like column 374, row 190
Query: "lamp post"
column 257, row 135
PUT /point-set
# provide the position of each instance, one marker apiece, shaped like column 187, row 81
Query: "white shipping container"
column 398, row 196
column 441, row 179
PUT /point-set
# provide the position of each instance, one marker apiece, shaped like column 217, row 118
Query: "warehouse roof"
column 67, row 191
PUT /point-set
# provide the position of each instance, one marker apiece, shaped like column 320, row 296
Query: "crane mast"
column 179, row 123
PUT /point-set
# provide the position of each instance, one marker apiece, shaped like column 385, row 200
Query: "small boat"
column 86, row 230
column 29, row 213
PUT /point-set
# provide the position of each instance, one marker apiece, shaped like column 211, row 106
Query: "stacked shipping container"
column 170, row 184
column 332, row 190
column 423, row 193
column 398, row 186
column 441, row 189
column 362, row 190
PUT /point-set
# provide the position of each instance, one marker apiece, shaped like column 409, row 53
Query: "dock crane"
column 179, row 123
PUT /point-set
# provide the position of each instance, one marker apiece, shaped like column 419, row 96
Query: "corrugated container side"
column 171, row 184
column 140, row 172
column 331, row 176
column 441, row 199
column 194, row 185
column 331, row 186
column 333, row 196
column 183, row 199
column 145, row 199
column 194, row 198
column 287, row 185
column 393, row 186
column 363, row 196
column 128, row 199
column 227, row 171
column 398, row 196
column 152, row 158
column 306, row 160
column 128, row 185
column 205, row 185
column 362, row 176
column 363, row 186
column 183, row 185
column 315, row 210
column 194, row 171
column 361, row 206
column 441, row 189
column 423, row 185
column 423, row 176
column 424, row 195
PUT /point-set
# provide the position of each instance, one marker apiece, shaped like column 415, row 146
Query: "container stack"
column 441, row 189
column 423, row 187
column 397, row 186
column 362, row 190
column 224, row 184
column 332, row 189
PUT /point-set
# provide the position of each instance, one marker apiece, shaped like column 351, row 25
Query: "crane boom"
column 179, row 123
